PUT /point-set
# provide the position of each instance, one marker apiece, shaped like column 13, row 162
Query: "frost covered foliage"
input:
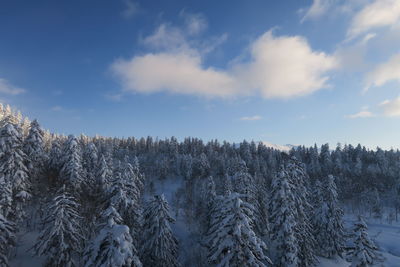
column 13, row 171
column 34, row 148
column 327, row 219
column 72, row 172
column 207, row 203
column 285, row 246
column 231, row 238
column 125, row 194
column 243, row 182
column 159, row 245
column 90, row 158
column 55, row 156
column 113, row 245
column 7, row 239
column 365, row 253
column 62, row 239
column 6, row 198
column 298, row 180
column 102, row 177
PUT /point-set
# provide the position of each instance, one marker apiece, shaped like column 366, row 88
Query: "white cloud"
column 251, row 118
column 7, row 88
column 131, row 9
column 377, row 14
column 361, row 114
column 279, row 67
column 317, row 9
column 285, row 66
column 383, row 73
column 173, row 72
column 391, row 108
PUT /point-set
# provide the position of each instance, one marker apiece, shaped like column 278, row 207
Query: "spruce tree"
column 226, row 185
column 7, row 239
column 62, row 238
column 134, row 188
column 159, row 245
column 261, row 219
column 298, row 180
column 231, row 238
column 6, row 199
column 113, row 245
column 90, row 161
column 55, row 156
column 327, row 219
column 13, row 169
column 364, row 253
column 243, row 182
column 125, row 195
column 102, row 177
column 283, row 222
column 34, row 148
column 71, row 172
column 209, row 201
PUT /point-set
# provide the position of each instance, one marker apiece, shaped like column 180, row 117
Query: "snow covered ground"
column 23, row 254
column 386, row 237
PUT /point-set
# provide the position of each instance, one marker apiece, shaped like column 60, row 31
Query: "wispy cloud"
column 166, row 37
column 251, row 118
column 131, row 9
column 391, row 108
column 379, row 13
column 384, row 72
column 317, row 9
column 9, row 89
column 57, row 108
column 194, row 23
column 361, row 114
column 117, row 97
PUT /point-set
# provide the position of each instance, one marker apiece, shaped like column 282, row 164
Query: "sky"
column 284, row 72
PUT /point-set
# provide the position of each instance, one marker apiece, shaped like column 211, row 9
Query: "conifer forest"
column 102, row 201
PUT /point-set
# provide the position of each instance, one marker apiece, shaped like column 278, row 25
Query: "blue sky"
column 291, row 71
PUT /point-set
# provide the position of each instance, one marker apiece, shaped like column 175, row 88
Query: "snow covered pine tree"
column 14, row 173
column 113, row 246
column 7, row 239
column 231, row 238
column 282, row 210
column 159, row 245
column 62, row 238
column 365, row 252
column 327, row 219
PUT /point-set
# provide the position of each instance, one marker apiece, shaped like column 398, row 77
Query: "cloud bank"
column 277, row 66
